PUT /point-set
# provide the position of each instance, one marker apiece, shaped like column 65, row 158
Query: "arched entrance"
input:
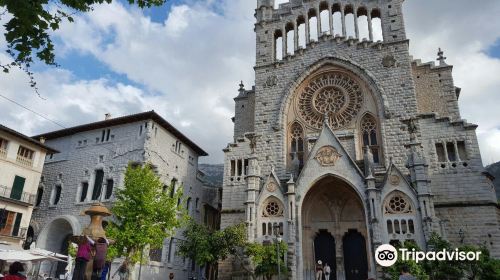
column 54, row 237
column 334, row 228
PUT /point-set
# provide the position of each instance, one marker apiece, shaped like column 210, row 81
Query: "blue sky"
column 185, row 60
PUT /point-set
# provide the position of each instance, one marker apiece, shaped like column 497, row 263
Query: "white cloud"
column 189, row 66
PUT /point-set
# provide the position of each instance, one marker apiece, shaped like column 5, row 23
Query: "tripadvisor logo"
column 386, row 255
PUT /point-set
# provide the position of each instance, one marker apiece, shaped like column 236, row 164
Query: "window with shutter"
column 17, row 188
column 17, row 224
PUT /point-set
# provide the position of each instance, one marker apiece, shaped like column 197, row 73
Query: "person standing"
column 319, row 270
column 83, row 256
column 122, row 271
column 405, row 274
column 16, row 272
column 101, row 251
column 327, row 270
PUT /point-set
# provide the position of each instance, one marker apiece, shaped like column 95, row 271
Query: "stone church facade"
column 346, row 143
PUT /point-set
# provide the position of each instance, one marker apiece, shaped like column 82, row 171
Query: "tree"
column 393, row 272
column 30, row 23
column 207, row 247
column 144, row 214
column 265, row 258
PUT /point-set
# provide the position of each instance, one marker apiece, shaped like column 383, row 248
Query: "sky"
column 185, row 60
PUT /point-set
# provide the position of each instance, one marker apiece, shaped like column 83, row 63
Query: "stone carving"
column 253, row 138
column 333, row 94
column 394, row 180
column 272, row 187
column 389, row 61
column 271, row 81
column 327, row 156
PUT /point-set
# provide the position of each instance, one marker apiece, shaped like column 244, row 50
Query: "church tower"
column 346, row 143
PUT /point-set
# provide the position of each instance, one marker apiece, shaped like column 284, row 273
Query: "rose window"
column 398, row 205
column 335, row 95
column 273, row 209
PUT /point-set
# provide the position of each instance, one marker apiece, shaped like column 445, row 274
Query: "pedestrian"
column 16, row 272
column 101, row 251
column 327, row 271
column 83, row 256
column 405, row 274
column 105, row 270
column 122, row 271
column 319, row 270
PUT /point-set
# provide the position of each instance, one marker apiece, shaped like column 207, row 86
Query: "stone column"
column 370, row 27
column 344, row 29
column 291, row 260
column 457, row 155
column 253, row 179
column 330, row 18
column 285, row 43
column 356, row 27
column 296, row 37
column 318, row 23
column 308, row 31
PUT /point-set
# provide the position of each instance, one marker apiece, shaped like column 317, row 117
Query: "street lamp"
column 277, row 228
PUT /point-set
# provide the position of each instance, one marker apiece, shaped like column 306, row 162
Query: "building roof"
column 151, row 115
column 28, row 139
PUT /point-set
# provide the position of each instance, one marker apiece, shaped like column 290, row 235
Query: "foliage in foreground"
column 486, row 268
column 144, row 214
column 208, row 247
column 30, row 25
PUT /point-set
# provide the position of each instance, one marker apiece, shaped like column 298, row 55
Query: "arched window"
column 337, row 20
column 362, row 19
column 350, row 24
column 376, row 26
column 369, row 135
column 290, row 38
column 188, row 206
column 278, row 45
column 297, row 143
column 301, row 31
column 399, row 213
column 313, row 26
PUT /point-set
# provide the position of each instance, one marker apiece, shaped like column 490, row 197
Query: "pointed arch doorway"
column 334, row 230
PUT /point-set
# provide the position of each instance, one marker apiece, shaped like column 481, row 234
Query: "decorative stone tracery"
column 327, row 156
column 334, row 94
column 273, row 208
column 398, row 204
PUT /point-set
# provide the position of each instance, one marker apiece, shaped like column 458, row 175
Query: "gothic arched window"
column 369, row 130
column 297, row 143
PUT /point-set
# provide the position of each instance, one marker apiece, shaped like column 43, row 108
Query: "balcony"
column 24, row 161
column 24, row 197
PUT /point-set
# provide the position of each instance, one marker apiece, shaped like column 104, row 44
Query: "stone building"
column 21, row 164
column 346, row 143
column 91, row 165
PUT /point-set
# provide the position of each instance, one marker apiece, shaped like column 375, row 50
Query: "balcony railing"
column 22, row 197
column 24, row 161
column 3, row 153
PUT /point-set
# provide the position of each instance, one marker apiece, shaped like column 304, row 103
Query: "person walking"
column 405, row 274
column 122, row 271
column 83, row 256
column 319, row 270
column 327, row 270
column 16, row 272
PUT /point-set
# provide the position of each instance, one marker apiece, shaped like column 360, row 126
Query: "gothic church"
column 346, row 143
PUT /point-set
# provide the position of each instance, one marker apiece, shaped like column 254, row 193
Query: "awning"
column 33, row 255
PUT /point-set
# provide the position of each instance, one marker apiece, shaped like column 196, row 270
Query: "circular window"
column 273, row 209
column 334, row 95
column 398, row 205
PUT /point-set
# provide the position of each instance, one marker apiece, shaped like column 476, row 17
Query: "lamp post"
column 278, row 241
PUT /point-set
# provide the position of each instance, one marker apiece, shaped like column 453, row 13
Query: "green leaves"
column 265, row 258
column 145, row 214
column 206, row 247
